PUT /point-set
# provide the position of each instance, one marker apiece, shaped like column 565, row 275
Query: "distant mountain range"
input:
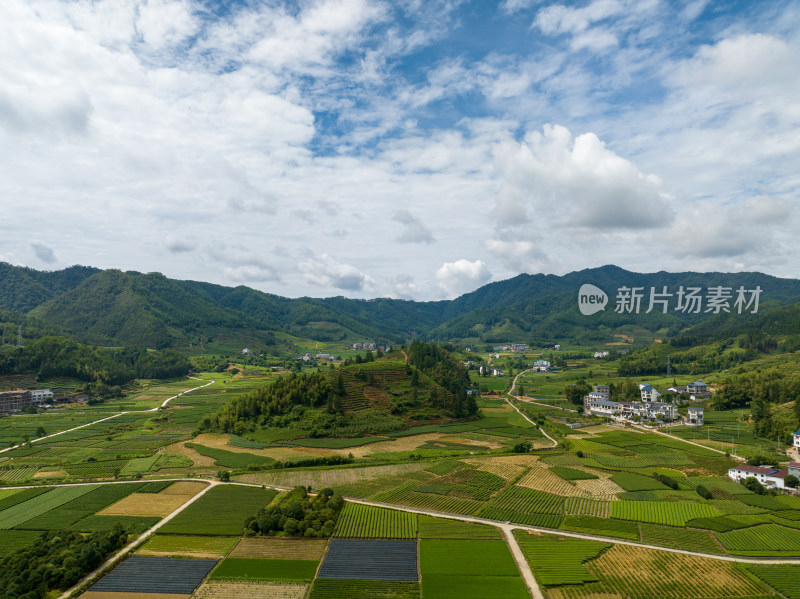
column 112, row 307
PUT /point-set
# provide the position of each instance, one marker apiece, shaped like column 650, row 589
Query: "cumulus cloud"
column 43, row 252
column 252, row 273
column 404, row 287
column 576, row 182
column 413, row 229
column 462, row 276
column 325, row 271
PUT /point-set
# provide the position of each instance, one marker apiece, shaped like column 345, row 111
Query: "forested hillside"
column 128, row 308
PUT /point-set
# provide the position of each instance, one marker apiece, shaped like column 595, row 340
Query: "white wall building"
column 796, row 438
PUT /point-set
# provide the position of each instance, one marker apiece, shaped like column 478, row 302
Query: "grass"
column 221, row 511
column 367, row 522
column 236, row 568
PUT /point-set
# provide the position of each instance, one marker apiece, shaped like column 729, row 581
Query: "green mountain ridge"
column 112, row 307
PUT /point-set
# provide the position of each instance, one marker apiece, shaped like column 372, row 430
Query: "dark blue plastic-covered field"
column 139, row 574
column 371, row 560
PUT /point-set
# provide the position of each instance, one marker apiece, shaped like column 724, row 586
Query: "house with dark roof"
column 768, row 476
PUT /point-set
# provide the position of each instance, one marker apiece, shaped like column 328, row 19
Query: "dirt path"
column 511, row 403
column 522, row 563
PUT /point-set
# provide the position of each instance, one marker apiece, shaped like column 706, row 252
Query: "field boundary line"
column 522, row 564
column 163, row 405
column 577, row 535
column 511, row 403
column 119, row 555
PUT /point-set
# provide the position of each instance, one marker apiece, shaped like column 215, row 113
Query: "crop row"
column 662, row 512
column 442, row 528
column 783, row 578
column 766, row 538
column 527, row 501
column 328, row 588
column 476, row 484
column 367, row 522
column 681, row 538
column 556, row 561
column 405, row 495
column 584, row 506
column 602, row 526
column 36, row 506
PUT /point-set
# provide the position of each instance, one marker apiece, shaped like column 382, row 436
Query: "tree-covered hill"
column 112, row 307
column 371, row 396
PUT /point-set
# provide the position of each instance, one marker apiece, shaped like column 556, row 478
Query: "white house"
column 41, row 396
column 649, row 393
column 542, row 365
column 696, row 416
column 604, row 390
column 601, row 354
column 796, row 438
column 767, row 475
column 603, row 407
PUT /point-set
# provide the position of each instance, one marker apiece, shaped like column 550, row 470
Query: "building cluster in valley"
column 19, row 399
column 770, row 477
column 649, row 409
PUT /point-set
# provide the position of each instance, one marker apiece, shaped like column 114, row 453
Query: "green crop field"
column 662, row 512
column 602, row 526
column 221, row 511
column 681, row 538
column 469, row 570
column 766, row 539
column 405, row 494
column 442, row 528
column 132, row 524
column 367, row 522
column 239, row 568
column 572, row 473
column 783, row 578
column 328, row 588
column 14, row 496
column 22, row 512
column 636, row 482
column 79, row 508
column 557, row 560
column 526, row 506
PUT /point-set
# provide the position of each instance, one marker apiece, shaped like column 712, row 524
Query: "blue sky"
column 414, row 149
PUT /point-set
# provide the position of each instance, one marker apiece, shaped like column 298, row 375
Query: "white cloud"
column 252, row 273
column 179, row 246
column 576, row 182
column 325, row 271
column 413, row 229
column 558, row 18
column 164, row 23
column 462, row 276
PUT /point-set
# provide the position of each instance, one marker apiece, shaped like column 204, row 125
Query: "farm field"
column 366, row 522
column 784, row 578
column 158, row 504
column 227, row 589
column 279, row 548
column 221, row 511
column 235, row 568
column 469, row 569
column 328, row 588
column 183, row 546
column 575, row 569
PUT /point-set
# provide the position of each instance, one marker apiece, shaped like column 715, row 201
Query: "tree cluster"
column 58, row 356
column 298, row 514
column 58, row 560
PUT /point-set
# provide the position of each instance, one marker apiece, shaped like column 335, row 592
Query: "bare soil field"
column 154, row 504
column 220, row 589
